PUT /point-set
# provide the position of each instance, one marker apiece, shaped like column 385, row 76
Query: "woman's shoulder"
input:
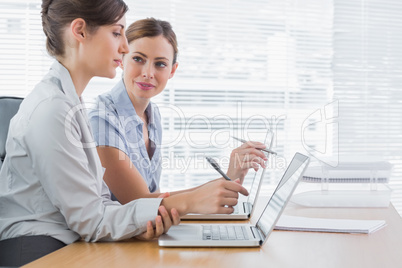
column 106, row 103
column 47, row 95
column 54, row 93
column 103, row 105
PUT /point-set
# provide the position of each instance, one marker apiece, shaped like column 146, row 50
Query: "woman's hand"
column 216, row 197
column 163, row 222
column 245, row 157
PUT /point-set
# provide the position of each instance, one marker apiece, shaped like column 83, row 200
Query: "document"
column 296, row 223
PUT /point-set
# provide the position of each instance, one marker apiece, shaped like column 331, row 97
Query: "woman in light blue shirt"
column 128, row 132
column 116, row 124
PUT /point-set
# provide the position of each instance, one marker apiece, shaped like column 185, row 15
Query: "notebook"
column 243, row 210
column 240, row 235
column 296, row 223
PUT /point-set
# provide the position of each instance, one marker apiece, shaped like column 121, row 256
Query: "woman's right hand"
column 248, row 155
column 216, row 197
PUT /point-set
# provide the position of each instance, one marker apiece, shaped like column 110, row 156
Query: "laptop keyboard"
column 224, row 232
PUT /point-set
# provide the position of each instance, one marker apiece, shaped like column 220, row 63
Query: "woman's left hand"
column 245, row 157
column 163, row 222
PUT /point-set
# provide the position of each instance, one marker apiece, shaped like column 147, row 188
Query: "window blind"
column 249, row 66
column 244, row 67
column 367, row 69
column 23, row 58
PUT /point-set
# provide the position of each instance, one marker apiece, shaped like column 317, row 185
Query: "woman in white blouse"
column 51, row 187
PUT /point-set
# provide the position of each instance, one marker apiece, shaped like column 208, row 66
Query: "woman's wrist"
column 178, row 201
column 234, row 175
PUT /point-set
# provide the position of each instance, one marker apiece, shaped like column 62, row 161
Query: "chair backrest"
column 8, row 108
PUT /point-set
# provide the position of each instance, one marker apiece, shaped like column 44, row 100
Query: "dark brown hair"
column 56, row 14
column 151, row 27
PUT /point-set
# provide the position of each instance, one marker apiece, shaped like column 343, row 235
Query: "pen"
column 217, row 168
column 265, row 150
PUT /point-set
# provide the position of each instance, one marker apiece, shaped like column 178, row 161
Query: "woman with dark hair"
column 128, row 132
column 52, row 191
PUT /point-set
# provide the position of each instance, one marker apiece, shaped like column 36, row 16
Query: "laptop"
column 240, row 235
column 244, row 209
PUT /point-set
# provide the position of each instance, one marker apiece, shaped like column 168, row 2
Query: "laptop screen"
column 282, row 194
column 260, row 172
column 254, row 187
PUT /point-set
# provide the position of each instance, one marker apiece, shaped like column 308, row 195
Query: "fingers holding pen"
column 253, row 161
column 232, row 189
column 253, row 144
column 248, row 153
column 231, row 195
column 229, row 201
column 216, row 197
column 235, row 186
column 225, row 210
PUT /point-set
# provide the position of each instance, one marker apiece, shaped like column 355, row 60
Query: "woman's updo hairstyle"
column 57, row 14
column 151, row 27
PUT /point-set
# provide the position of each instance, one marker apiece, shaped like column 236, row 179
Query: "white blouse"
column 51, row 182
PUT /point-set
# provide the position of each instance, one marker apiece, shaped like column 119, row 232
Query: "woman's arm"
column 122, row 177
column 68, row 169
column 127, row 184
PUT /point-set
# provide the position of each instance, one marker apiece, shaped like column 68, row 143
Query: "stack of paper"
column 295, row 223
column 349, row 169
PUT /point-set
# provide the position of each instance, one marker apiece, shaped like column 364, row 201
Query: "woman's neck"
column 140, row 105
column 79, row 75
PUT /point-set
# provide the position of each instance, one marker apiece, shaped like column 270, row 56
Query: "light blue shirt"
column 51, row 182
column 115, row 123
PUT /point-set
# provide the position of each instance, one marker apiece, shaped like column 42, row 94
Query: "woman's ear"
column 78, row 29
column 173, row 71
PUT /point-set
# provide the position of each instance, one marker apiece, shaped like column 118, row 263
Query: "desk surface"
column 283, row 249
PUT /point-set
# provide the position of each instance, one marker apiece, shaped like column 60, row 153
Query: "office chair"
column 8, row 108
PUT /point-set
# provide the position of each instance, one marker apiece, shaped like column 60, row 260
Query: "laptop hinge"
column 246, row 208
column 258, row 234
